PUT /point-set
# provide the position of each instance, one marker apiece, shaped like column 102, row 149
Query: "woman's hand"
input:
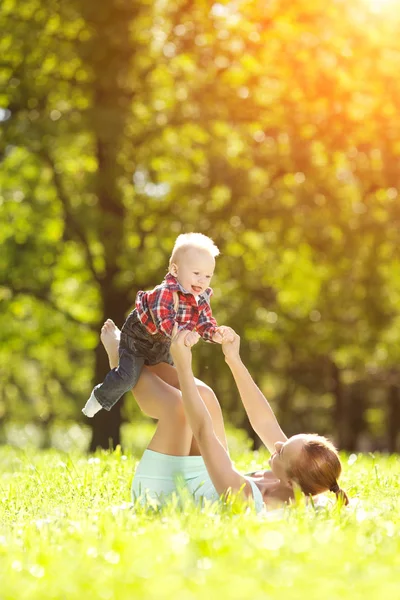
column 230, row 343
column 191, row 338
column 181, row 345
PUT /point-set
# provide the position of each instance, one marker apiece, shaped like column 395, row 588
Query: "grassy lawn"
column 67, row 530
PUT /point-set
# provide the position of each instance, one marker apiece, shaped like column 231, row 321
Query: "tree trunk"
column 108, row 57
column 45, row 426
column 339, row 414
column 393, row 418
column 106, row 428
column 356, row 416
column 106, row 424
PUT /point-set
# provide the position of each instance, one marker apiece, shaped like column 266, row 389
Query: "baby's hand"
column 228, row 335
column 217, row 337
column 181, row 351
column 191, row 338
column 222, row 334
column 230, row 343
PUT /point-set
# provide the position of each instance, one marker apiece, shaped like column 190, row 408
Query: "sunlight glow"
column 380, row 5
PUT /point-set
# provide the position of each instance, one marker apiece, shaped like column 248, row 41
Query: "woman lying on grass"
column 190, row 442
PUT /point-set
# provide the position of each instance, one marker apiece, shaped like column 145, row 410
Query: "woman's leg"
column 173, row 434
column 167, row 404
column 156, row 399
column 169, row 374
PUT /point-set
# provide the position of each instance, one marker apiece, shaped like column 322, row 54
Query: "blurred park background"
column 274, row 127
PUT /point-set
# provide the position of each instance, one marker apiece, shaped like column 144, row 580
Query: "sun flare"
column 379, row 5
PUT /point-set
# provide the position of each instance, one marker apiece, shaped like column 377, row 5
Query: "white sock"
column 92, row 406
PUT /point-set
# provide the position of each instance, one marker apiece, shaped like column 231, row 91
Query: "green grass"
column 67, row 530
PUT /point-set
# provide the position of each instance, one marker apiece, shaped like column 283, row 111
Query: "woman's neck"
column 274, row 492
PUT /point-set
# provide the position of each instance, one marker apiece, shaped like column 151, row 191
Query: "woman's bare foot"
column 110, row 335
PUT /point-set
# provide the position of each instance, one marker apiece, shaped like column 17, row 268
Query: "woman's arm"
column 260, row 413
column 218, row 463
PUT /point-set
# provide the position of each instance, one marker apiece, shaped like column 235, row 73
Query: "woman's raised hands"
column 230, row 342
column 182, row 342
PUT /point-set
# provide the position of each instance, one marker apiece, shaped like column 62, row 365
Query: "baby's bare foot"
column 110, row 335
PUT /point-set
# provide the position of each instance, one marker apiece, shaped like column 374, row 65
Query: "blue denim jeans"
column 137, row 347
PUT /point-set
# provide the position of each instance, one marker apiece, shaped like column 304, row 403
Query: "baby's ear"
column 173, row 269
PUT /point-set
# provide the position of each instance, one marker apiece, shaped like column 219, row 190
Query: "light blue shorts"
column 158, row 476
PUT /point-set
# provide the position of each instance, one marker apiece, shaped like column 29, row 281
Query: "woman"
column 190, row 424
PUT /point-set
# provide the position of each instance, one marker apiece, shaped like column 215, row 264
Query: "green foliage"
column 273, row 128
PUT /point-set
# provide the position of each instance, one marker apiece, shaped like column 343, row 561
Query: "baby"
column 183, row 298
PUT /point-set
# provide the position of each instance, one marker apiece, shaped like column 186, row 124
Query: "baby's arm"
column 207, row 326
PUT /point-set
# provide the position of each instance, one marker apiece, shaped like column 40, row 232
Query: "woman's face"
column 284, row 456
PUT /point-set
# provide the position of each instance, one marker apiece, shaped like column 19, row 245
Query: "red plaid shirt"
column 156, row 310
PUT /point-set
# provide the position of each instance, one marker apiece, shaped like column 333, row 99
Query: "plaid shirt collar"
column 173, row 284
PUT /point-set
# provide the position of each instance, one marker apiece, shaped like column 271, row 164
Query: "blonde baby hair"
column 186, row 241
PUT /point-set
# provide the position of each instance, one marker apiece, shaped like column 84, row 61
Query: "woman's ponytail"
column 340, row 494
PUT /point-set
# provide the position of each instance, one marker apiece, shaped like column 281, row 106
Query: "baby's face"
column 194, row 270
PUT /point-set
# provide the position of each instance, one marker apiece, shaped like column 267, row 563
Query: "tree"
column 274, row 129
